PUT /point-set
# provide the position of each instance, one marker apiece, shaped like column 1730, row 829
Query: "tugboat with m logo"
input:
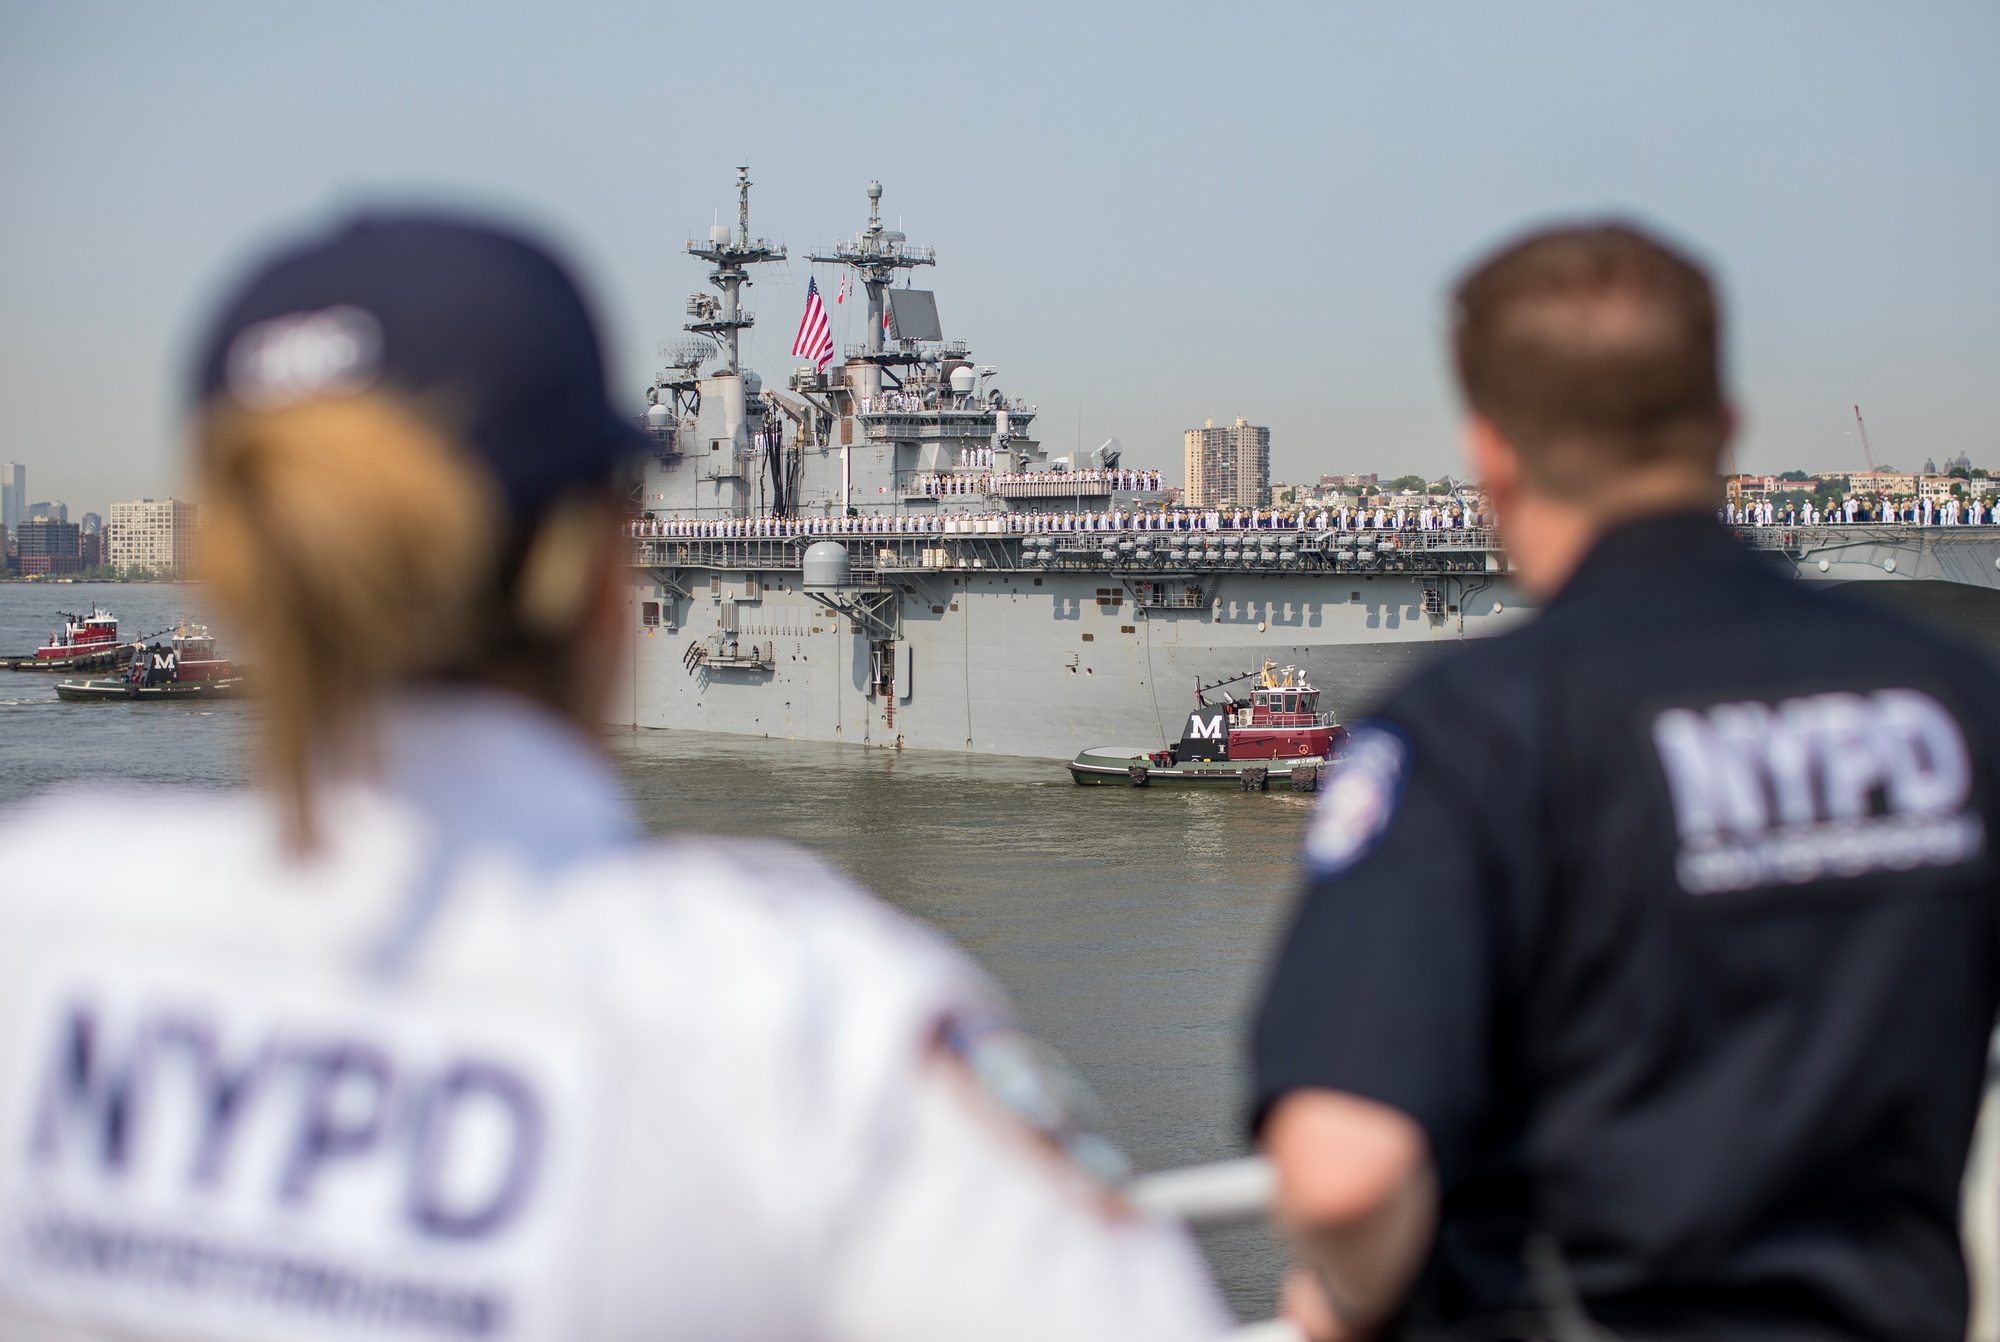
column 187, row 668
column 1278, row 735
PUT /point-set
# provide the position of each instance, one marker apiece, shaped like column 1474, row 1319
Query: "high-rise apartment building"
column 50, row 546
column 1229, row 467
column 13, row 495
column 153, row 534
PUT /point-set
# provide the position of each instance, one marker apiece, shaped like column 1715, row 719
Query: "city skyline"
column 1135, row 256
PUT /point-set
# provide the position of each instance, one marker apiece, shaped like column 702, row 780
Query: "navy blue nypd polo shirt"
column 1670, row 918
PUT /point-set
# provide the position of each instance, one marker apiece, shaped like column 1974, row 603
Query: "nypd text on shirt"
column 282, row 1173
column 1814, row 788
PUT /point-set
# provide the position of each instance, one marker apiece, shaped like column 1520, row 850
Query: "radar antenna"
column 730, row 256
column 686, row 355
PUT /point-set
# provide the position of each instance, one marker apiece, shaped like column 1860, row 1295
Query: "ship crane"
column 1866, row 449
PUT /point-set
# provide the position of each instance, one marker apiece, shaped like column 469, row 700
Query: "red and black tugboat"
column 186, row 668
column 84, row 643
column 1277, row 735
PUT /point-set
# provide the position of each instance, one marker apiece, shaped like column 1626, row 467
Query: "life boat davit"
column 1275, row 736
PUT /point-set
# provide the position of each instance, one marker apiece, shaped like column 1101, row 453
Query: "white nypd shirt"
column 488, row 1066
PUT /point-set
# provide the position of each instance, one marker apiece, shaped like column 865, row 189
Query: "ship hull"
column 1113, row 766
column 1019, row 663
column 91, row 660
column 122, row 691
column 1015, row 660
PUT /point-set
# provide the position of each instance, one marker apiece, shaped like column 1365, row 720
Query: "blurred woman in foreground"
column 420, row 1038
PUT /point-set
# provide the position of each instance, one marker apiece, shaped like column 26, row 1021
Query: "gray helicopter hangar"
column 880, row 552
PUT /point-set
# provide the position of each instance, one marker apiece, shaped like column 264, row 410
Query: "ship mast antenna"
column 877, row 254
column 731, row 257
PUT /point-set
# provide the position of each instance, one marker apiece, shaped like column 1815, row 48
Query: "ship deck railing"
column 1155, row 553
column 948, row 423
column 980, row 484
column 1200, row 552
column 1294, row 720
column 1798, row 540
column 1051, row 485
column 910, row 351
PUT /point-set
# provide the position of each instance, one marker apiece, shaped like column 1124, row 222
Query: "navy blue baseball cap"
column 475, row 320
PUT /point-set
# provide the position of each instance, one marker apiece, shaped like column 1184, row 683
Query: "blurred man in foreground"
column 421, row 1039
column 1647, row 961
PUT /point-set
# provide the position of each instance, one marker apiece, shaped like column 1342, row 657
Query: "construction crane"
column 1866, row 450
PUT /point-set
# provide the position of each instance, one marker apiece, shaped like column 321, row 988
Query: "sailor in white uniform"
column 420, row 1039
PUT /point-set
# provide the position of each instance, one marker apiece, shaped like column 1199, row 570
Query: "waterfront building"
column 151, row 534
column 1229, row 466
column 13, row 494
column 92, row 524
column 1739, row 487
column 1888, row 484
column 49, row 546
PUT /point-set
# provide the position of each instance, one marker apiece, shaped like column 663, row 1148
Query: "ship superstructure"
column 906, row 423
column 882, row 553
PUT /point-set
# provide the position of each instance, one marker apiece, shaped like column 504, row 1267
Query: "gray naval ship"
column 866, row 553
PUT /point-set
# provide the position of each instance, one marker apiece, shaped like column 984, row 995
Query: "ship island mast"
column 722, row 319
column 877, row 253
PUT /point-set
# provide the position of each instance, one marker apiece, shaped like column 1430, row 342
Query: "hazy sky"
column 1145, row 215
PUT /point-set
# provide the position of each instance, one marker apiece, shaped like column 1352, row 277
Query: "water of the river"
column 1128, row 925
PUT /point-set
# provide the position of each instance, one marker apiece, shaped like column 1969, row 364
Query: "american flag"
column 815, row 339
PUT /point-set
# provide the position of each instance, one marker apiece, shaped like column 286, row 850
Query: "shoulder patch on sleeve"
column 1033, row 1085
column 1356, row 807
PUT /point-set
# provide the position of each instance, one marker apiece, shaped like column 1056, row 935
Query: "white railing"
column 1208, row 1197
column 1212, row 1197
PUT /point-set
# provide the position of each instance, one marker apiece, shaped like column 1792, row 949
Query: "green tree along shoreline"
column 98, row 573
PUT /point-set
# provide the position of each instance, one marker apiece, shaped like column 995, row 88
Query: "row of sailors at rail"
column 1915, row 512
column 916, row 403
column 1057, row 482
column 903, row 402
column 1027, row 523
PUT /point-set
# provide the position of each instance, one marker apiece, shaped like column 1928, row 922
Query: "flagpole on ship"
column 876, row 254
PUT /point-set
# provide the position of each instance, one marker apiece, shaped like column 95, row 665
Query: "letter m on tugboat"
column 1206, row 736
column 1276, row 734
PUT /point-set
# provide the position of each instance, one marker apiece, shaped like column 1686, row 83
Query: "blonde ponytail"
column 355, row 546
